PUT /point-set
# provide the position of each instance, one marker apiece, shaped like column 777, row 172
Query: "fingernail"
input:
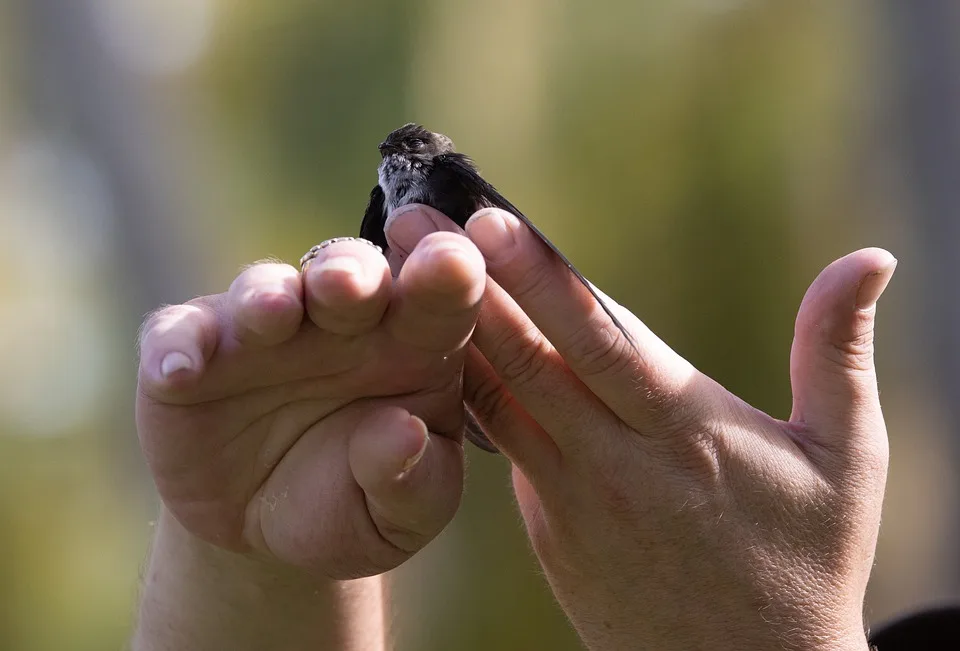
column 872, row 286
column 173, row 362
column 345, row 265
column 271, row 292
column 407, row 226
column 413, row 460
column 493, row 231
column 340, row 264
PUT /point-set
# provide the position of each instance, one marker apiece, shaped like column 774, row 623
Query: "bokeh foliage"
column 700, row 160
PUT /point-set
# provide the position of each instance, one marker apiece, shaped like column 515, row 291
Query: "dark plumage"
column 420, row 166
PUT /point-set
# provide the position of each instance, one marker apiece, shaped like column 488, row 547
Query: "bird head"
column 413, row 142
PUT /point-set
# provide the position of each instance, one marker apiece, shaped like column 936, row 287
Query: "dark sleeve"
column 929, row 630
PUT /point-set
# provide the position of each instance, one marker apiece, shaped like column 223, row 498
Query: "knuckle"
column 855, row 354
column 360, row 550
column 348, row 320
column 852, row 348
column 441, row 295
column 488, row 400
column 698, row 453
column 521, row 355
column 599, row 349
column 695, row 454
column 396, row 540
column 401, row 540
column 684, row 438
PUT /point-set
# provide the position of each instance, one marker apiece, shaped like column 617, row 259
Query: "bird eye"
column 416, row 143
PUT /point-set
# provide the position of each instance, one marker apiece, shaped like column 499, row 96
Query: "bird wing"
column 476, row 185
column 371, row 228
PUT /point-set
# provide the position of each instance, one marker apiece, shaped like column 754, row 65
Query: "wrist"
column 827, row 642
column 199, row 596
column 719, row 630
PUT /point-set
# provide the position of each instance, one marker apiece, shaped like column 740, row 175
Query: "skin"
column 722, row 527
column 303, row 434
column 280, row 460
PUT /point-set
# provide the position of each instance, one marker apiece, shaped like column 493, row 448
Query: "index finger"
column 631, row 379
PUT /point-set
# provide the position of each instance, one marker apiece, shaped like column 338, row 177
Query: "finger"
column 505, row 421
column 409, row 224
column 411, row 478
column 533, row 373
column 636, row 379
column 175, row 344
column 406, row 226
column 347, row 288
column 438, row 294
column 265, row 303
column 519, row 355
column 831, row 363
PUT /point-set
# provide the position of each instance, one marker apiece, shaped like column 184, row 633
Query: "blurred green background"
column 700, row 160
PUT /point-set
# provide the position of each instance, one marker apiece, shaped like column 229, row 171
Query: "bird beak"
column 384, row 148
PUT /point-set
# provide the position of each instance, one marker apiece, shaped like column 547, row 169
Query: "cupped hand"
column 667, row 513
column 314, row 419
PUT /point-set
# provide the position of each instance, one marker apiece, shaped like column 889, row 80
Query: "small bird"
column 420, row 166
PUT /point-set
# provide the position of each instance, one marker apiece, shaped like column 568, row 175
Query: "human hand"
column 666, row 512
column 329, row 444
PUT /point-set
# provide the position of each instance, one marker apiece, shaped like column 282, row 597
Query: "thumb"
column 412, row 479
column 831, row 363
